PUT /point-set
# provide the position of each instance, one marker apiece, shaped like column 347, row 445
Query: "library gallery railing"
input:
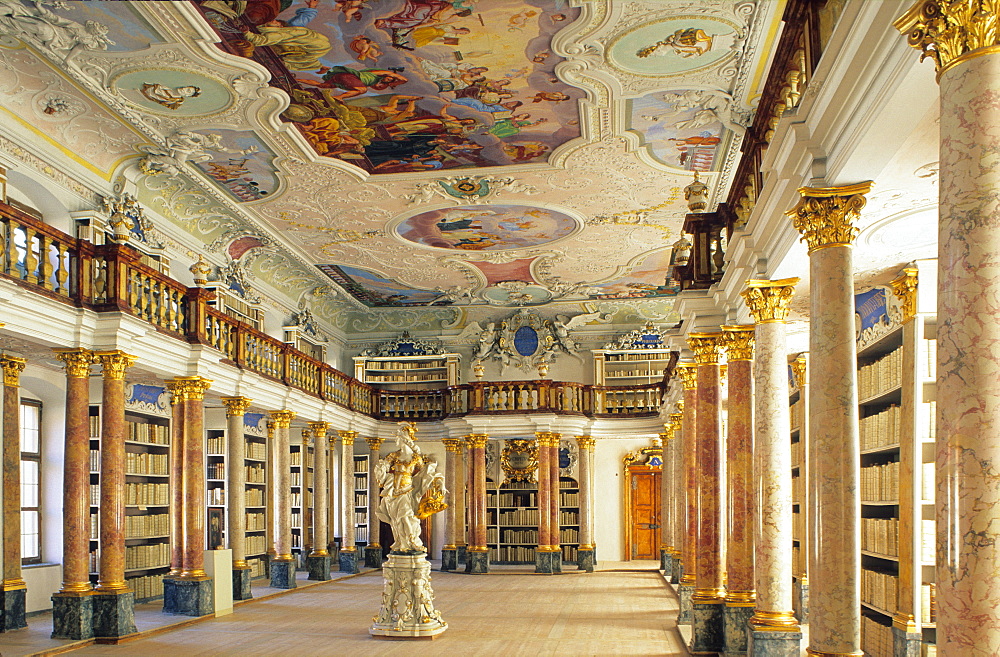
column 113, row 278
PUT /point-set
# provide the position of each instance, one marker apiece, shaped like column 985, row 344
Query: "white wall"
column 609, row 501
column 42, row 582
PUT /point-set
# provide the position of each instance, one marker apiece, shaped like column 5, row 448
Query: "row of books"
column 360, row 465
column 147, row 494
column 402, row 378
column 880, row 535
column 928, row 603
column 216, row 445
column 296, row 518
column 569, row 499
column 880, row 483
column 360, row 482
column 216, row 470
column 145, row 526
column 256, row 450
column 360, row 499
column 255, row 497
column 928, row 363
column 879, row 589
column 569, row 535
column 296, row 499
column 360, row 517
column 256, row 544
column 296, row 478
column 624, row 374
column 795, row 414
column 361, row 533
column 569, row 517
column 928, row 540
column 403, row 364
column 611, row 358
column 140, row 432
column 258, row 567
column 255, row 522
column 526, row 554
column 215, row 496
column 881, row 429
column 882, row 375
column 154, row 555
column 512, row 499
column 519, row 536
column 518, row 517
column 146, row 464
column 146, row 587
column 295, row 458
column 254, row 474
column 876, row 638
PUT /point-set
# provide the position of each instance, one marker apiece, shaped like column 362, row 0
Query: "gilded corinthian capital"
column 705, row 347
column 825, row 216
column 12, row 368
column 236, row 406
column 114, row 363
column 688, row 372
column 768, row 300
column 952, row 31
column 76, row 361
column 738, row 342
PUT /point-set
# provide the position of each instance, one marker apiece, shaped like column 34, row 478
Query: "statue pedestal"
column 407, row 599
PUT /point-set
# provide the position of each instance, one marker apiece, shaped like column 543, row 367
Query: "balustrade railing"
column 112, row 278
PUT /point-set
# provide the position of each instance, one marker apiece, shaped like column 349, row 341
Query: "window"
column 31, row 457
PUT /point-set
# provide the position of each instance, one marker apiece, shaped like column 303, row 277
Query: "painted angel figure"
column 412, row 489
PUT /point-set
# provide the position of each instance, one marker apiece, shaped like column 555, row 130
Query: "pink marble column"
column 738, row 344
column 963, row 41
column 13, row 594
column 666, row 501
column 773, row 616
column 282, row 490
column 176, row 459
column 554, row 533
column 679, row 496
column 236, row 519
column 478, row 557
column 194, row 478
column 825, row 217
column 689, row 546
column 544, row 493
column 707, row 600
column 321, row 492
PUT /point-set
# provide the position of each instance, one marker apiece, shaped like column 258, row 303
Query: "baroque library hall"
column 690, row 352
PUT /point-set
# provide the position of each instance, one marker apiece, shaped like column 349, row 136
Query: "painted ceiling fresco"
column 487, row 227
column 417, row 85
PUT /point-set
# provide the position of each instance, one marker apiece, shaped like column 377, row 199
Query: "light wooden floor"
column 622, row 609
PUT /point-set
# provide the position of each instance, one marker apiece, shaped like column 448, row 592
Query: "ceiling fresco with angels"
column 569, row 129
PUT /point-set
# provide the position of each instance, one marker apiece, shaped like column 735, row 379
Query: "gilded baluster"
column 62, row 276
column 30, row 258
column 44, row 246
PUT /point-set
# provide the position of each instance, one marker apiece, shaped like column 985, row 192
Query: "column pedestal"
column 319, row 567
column 905, row 644
column 546, row 560
column 706, row 627
column 477, row 563
column 407, row 599
column 73, row 616
column 770, row 643
column 373, row 556
column 114, row 614
column 800, row 599
column 586, row 560
column 449, row 559
column 188, row 597
column 462, row 551
column 349, row 561
column 675, row 572
column 241, row 584
column 684, row 592
column 282, row 574
column 666, row 560
column 734, row 628
column 13, row 609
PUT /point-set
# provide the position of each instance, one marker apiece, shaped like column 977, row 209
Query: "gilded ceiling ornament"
column 738, row 342
column 768, row 300
column 905, row 289
column 76, row 361
column 705, row 347
column 825, row 215
column 236, row 405
column 114, row 363
column 952, row 31
column 282, row 419
column 470, row 189
column 688, row 372
column 12, row 368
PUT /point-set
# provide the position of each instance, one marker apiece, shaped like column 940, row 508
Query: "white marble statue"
column 412, row 489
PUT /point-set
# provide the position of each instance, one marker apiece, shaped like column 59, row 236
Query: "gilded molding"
column 738, row 342
column 374, row 443
column 77, row 362
column 189, row 387
column 905, row 289
column 477, row 440
column 306, row 435
column 768, row 300
column 453, row 444
column 705, row 347
column 236, row 406
column 952, row 31
column 780, row 621
column 586, row 442
column 114, row 363
column 319, row 429
column 799, row 370
column 688, row 372
column 825, row 216
column 282, row 419
column 347, row 437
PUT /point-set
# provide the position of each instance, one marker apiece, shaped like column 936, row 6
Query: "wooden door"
column 644, row 507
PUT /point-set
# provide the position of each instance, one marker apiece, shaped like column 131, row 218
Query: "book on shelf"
column 144, row 526
column 216, row 496
column 145, row 494
column 256, row 451
column 254, row 497
column 155, row 555
column 881, row 429
column 215, row 445
column 879, row 589
column 881, row 375
column 880, row 535
column 880, row 483
column 142, row 432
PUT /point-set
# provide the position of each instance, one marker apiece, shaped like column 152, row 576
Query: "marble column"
column 373, row 551
column 449, row 552
column 666, row 503
column 740, row 593
column 306, row 498
column 349, row 562
column 175, row 458
column 800, row 521
column 73, row 606
column 283, row 562
column 270, row 517
column 825, row 217
column 236, row 486
column 333, row 498
column 554, row 524
column 774, row 630
column 689, row 548
column 708, row 598
column 319, row 562
column 963, row 41
column 12, row 613
column 586, row 558
column 478, row 557
column 190, row 592
column 114, row 602
column 678, row 497
column 460, row 492
column 543, row 553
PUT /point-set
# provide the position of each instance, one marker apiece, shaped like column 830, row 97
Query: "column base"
column 675, row 574
column 666, row 560
column 545, row 561
column 905, row 644
column 114, row 614
column 734, row 628
column 73, row 616
column 706, row 627
column 800, row 600
column 282, row 574
column 373, row 556
column 773, row 643
column 684, row 592
column 449, row 560
column 13, row 614
column 463, row 551
column 319, row 567
column 241, row 584
column 586, row 560
column 407, row 599
column 349, row 561
column 188, row 597
column 477, row 563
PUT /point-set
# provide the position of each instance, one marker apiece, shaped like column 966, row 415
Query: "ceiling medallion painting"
column 173, row 92
column 414, row 86
column 374, row 289
column 673, row 46
column 487, row 227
